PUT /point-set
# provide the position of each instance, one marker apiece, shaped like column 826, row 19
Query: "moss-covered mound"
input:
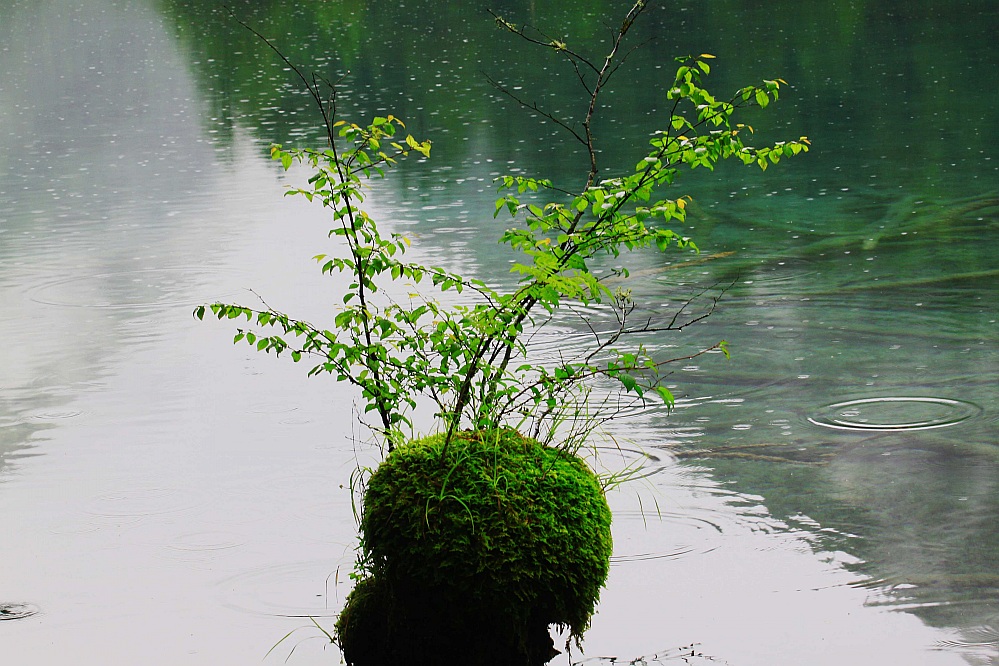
column 491, row 539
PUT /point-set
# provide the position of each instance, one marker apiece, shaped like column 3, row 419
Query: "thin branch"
column 533, row 106
column 596, row 335
column 523, row 397
column 625, row 57
column 551, row 43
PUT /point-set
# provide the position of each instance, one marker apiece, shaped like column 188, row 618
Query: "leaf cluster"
column 470, row 355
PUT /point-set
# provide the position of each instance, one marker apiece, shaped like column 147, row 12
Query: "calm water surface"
column 830, row 495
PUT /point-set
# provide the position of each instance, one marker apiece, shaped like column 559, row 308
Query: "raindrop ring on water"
column 917, row 413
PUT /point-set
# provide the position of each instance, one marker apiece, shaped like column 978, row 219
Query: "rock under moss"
column 379, row 628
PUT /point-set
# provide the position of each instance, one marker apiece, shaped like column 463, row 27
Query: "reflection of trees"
column 917, row 507
column 15, row 437
column 866, row 80
column 869, row 77
column 920, row 516
column 934, row 509
column 873, row 244
column 895, row 300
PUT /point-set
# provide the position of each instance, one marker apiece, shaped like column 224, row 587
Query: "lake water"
column 830, row 495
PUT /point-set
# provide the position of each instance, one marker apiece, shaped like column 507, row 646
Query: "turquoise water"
column 828, row 495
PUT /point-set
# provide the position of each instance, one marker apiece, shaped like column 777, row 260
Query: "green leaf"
column 629, row 382
column 666, row 395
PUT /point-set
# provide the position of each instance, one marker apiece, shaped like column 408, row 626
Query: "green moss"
column 363, row 625
column 494, row 527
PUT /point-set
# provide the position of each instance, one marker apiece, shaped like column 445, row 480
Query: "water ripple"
column 303, row 589
column 141, row 502
column 626, row 464
column 664, row 535
column 145, row 288
column 895, row 414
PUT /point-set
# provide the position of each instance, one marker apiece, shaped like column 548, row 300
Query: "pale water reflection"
column 828, row 496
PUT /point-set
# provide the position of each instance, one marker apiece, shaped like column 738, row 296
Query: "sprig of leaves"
column 472, row 359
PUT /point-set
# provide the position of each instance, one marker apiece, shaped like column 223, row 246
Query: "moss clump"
column 488, row 540
column 364, row 624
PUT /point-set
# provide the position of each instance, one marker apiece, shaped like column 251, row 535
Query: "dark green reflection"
column 891, row 94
